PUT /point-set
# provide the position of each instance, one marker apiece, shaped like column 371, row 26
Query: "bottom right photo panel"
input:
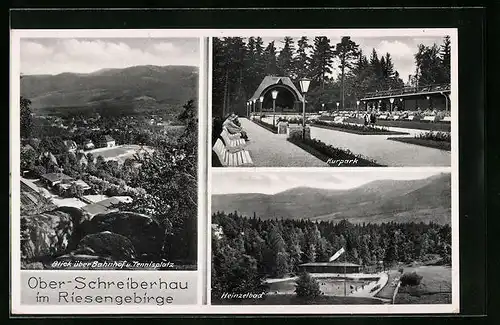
column 323, row 237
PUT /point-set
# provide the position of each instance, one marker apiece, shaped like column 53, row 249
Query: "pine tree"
column 307, row 287
column 270, row 59
column 445, row 57
column 26, row 122
column 346, row 51
column 285, row 58
column 302, row 59
column 321, row 61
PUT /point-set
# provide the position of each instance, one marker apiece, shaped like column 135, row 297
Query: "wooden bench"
column 232, row 145
column 231, row 159
column 431, row 118
column 383, row 117
column 446, row 119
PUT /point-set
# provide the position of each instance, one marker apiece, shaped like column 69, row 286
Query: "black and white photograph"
column 332, row 237
column 360, row 100
column 109, row 153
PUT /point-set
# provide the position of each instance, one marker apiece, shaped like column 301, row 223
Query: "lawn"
column 419, row 125
column 434, row 288
column 356, row 128
column 441, row 145
column 292, row 299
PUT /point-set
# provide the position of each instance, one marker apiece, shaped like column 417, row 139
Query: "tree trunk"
column 342, row 85
column 224, row 105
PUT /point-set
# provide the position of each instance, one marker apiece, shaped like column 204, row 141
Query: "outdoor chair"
column 227, row 159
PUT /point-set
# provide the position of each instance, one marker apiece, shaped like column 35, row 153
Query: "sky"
column 401, row 48
column 271, row 182
column 85, row 55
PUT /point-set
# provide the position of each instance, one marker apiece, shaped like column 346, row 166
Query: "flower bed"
column 267, row 126
column 335, row 157
column 355, row 128
column 436, row 140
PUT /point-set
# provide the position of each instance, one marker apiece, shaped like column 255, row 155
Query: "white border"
column 454, row 307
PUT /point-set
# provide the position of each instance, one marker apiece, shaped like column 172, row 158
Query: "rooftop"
column 54, row 177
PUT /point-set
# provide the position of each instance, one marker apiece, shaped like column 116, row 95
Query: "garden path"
column 273, row 150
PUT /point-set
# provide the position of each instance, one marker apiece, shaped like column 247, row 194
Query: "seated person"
column 232, row 126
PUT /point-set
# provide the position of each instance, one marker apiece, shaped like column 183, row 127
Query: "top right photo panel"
column 337, row 99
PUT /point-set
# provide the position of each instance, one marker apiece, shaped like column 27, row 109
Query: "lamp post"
column 274, row 93
column 338, row 106
column 254, row 108
column 261, row 103
column 401, row 104
column 379, row 104
column 429, row 102
column 248, row 110
column 357, row 105
column 304, row 86
column 323, row 107
column 392, row 101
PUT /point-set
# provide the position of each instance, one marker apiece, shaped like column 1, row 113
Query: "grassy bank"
column 441, row 145
column 356, row 129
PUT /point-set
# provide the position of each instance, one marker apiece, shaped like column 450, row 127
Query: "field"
column 289, row 299
column 118, row 153
column 435, row 287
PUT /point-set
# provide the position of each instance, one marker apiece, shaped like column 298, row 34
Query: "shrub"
column 331, row 151
column 354, row 127
column 435, row 136
column 268, row 126
column 410, row 279
column 307, row 287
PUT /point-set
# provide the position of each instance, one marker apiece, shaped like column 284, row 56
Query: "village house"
column 88, row 145
column 52, row 179
column 84, row 186
column 107, row 142
column 105, row 206
column 48, row 155
column 81, row 159
column 70, row 145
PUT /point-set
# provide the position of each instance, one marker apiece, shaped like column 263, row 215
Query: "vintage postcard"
column 106, row 167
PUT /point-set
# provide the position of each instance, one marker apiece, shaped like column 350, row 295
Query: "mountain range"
column 424, row 200
column 142, row 86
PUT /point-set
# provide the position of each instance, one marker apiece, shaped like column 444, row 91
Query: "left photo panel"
column 105, row 176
